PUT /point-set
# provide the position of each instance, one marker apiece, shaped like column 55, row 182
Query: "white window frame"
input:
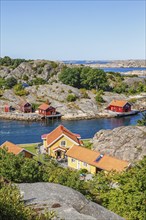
column 85, row 164
column 73, row 160
column 63, row 145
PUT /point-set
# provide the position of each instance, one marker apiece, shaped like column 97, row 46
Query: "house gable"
column 63, row 138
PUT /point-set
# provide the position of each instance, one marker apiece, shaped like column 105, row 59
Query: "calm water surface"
column 24, row 132
column 123, row 70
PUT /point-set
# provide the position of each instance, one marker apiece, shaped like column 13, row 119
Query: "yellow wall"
column 69, row 144
column 45, row 143
column 79, row 165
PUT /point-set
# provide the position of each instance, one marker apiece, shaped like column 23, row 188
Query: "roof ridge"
column 53, row 130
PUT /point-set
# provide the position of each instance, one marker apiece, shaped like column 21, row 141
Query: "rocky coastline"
column 20, row 116
column 120, row 64
column 36, row 117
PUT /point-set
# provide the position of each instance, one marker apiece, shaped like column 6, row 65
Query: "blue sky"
column 73, row 30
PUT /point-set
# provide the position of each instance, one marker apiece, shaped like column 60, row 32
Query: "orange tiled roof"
column 60, row 130
column 119, row 103
column 111, row 163
column 83, row 154
column 44, row 106
column 12, row 148
column 89, row 156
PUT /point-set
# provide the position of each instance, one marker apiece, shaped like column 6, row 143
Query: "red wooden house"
column 25, row 107
column 46, row 109
column 119, row 106
column 7, row 108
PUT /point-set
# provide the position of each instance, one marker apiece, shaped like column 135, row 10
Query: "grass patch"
column 88, row 143
column 30, row 147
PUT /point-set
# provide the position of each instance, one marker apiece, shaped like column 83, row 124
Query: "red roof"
column 59, row 131
column 45, row 106
column 119, row 103
column 44, row 136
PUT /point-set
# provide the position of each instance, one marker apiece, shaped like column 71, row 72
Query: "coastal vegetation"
column 71, row 98
column 89, row 78
column 19, row 90
column 13, row 63
column 84, row 77
column 123, row 193
column 8, row 83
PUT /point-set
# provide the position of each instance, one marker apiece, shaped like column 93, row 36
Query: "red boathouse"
column 119, row 106
column 25, row 107
column 46, row 109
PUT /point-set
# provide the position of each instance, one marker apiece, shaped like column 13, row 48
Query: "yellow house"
column 59, row 141
column 83, row 158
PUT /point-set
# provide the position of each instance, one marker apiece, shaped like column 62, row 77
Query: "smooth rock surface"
column 126, row 142
column 70, row 204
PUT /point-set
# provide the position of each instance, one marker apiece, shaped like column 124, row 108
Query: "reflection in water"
column 29, row 132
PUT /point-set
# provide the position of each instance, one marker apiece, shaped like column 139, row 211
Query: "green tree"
column 19, row 90
column 94, row 79
column 10, row 82
column 98, row 97
column 13, row 208
column 70, row 76
column 123, row 193
column 19, row 169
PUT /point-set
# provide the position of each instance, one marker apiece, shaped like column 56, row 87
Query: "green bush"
column 13, row 208
column 38, row 81
column 71, row 98
column 84, row 94
column 7, row 61
column 54, row 64
column 1, row 92
column 133, row 100
column 10, row 82
column 25, row 77
column 98, row 97
column 19, row 90
column 69, row 91
column 2, row 82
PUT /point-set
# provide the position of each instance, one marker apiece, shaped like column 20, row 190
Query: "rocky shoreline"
column 120, row 64
column 35, row 117
column 69, row 117
column 21, row 116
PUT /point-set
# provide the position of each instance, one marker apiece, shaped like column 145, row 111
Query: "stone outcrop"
column 66, row 202
column 126, row 143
